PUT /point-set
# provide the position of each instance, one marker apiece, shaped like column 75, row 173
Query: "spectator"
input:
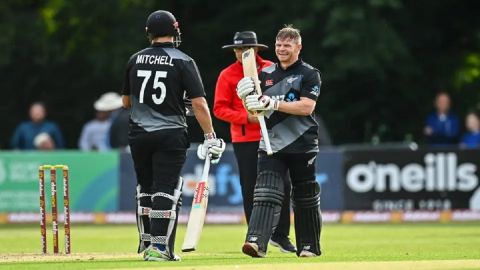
column 442, row 126
column 94, row 133
column 471, row 139
column 24, row 135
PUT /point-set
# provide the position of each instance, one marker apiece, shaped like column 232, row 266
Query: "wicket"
column 66, row 204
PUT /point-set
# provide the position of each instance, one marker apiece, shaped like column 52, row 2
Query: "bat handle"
column 206, row 168
column 266, row 139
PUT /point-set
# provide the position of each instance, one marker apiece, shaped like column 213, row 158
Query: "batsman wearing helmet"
column 156, row 81
column 290, row 90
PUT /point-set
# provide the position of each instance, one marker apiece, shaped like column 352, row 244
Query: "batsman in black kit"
column 157, row 79
column 290, row 90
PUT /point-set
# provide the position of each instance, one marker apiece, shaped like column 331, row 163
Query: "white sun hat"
column 108, row 102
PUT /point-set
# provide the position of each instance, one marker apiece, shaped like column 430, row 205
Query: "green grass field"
column 373, row 246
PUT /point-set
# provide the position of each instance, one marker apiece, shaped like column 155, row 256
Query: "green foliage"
column 381, row 60
column 470, row 72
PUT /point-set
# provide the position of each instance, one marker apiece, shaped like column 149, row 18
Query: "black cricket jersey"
column 290, row 133
column 157, row 79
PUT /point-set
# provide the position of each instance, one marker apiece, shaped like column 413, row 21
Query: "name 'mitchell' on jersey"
column 157, row 79
column 290, row 133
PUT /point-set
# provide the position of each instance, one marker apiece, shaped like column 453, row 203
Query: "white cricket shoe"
column 251, row 249
column 306, row 253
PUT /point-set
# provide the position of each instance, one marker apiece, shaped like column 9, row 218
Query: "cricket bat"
column 250, row 70
column 198, row 211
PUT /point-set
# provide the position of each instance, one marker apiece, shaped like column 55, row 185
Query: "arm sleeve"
column 311, row 85
column 222, row 106
column 191, row 80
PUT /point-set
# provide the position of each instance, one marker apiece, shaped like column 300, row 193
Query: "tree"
column 381, row 60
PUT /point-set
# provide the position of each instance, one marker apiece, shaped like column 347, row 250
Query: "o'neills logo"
column 439, row 172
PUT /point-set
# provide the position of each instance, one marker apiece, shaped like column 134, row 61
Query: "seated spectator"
column 25, row 133
column 471, row 139
column 43, row 141
column 442, row 126
column 94, row 134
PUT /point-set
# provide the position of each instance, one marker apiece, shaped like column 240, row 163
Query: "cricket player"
column 156, row 80
column 290, row 90
column 245, row 132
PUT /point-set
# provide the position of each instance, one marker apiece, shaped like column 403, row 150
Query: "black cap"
column 245, row 39
column 162, row 23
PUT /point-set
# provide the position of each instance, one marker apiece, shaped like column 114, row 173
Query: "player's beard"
column 285, row 57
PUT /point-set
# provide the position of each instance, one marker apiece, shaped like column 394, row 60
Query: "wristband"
column 209, row 136
column 276, row 104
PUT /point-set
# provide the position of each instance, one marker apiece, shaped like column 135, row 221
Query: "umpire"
column 290, row 90
column 156, row 80
column 245, row 132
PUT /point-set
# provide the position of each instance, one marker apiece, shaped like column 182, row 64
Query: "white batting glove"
column 212, row 146
column 261, row 103
column 245, row 87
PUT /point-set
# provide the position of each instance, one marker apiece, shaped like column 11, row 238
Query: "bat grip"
column 206, row 168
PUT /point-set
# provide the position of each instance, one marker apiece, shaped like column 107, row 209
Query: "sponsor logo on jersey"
column 278, row 97
column 290, row 97
column 269, row 82
column 315, row 90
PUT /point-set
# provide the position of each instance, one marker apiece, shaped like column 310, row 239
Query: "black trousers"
column 301, row 167
column 158, row 158
column 247, row 159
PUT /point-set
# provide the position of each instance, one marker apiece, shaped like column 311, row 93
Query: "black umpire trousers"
column 247, row 159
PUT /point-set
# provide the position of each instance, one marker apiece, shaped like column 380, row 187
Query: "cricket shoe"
column 152, row 253
column 283, row 243
column 306, row 253
column 252, row 250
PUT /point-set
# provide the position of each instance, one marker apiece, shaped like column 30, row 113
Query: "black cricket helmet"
column 162, row 23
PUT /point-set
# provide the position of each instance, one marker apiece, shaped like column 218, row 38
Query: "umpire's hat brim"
column 245, row 39
column 232, row 46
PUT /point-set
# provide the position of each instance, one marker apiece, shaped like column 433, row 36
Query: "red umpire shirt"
column 229, row 107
